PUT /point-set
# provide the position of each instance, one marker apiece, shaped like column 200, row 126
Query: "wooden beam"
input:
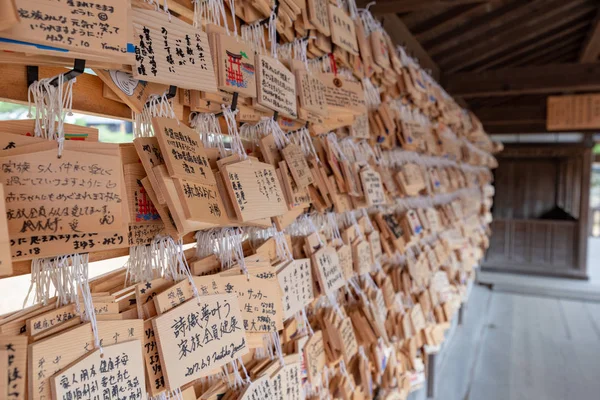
column 400, row 34
column 555, row 78
column 525, row 28
column 508, row 115
column 526, row 127
column 402, row 6
column 590, row 52
column 477, row 27
column 440, row 23
column 547, row 52
column 13, row 88
column 517, row 53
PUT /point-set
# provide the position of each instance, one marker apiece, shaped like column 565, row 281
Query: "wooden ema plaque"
column 91, row 28
column 201, row 202
column 141, row 208
column 276, row 86
column 258, row 295
column 133, row 92
column 156, row 380
column 255, row 190
column 346, row 264
column 360, row 127
column 119, row 369
column 311, row 92
column 5, row 251
column 16, row 366
column 381, row 53
column 236, row 65
column 361, row 254
column 189, row 346
column 52, row 196
column 295, row 282
column 296, row 162
column 343, row 95
column 318, row 15
column 315, row 357
column 327, row 267
column 49, row 356
column 373, row 187
column 183, row 152
column 343, row 31
column 168, row 50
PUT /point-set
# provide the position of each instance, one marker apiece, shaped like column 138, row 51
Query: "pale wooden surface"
column 514, row 347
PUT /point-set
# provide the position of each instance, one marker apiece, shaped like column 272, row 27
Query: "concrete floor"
column 518, row 347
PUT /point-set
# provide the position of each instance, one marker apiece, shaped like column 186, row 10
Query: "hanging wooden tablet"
column 360, row 127
column 411, row 179
column 141, row 208
column 154, row 374
column 48, row 195
column 98, row 28
column 311, row 92
column 201, row 202
column 343, row 31
column 259, row 300
column 5, row 250
column 296, row 197
column 315, row 357
column 118, row 369
column 296, row 162
column 168, row 51
column 343, row 95
column 16, row 366
column 276, row 86
column 236, row 65
column 375, row 241
column 189, row 347
column 361, row 254
column 348, row 339
column 295, row 282
column 183, row 152
column 269, row 150
column 318, row 15
column 327, row 267
column 372, row 187
column 51, row 355
column 258, row 389
column 346, row 264
column 133, row 92
column 254, row 189
column 381, row 53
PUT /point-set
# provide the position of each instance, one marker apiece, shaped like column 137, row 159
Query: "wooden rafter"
column 442, row 22
column 590, row 52
column 507, row 115
column 546, row 53
column 522, row 50
column 555, row 78
column 402, row 6
column 477, row 27
column 526, row 28
column 400, row 34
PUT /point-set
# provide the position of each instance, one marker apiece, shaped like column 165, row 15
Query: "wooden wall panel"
column 534, row 246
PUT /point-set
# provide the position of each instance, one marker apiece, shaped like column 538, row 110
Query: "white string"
column 282, row 248
column 237, row 146
column 273, row 34
column 372, row 97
